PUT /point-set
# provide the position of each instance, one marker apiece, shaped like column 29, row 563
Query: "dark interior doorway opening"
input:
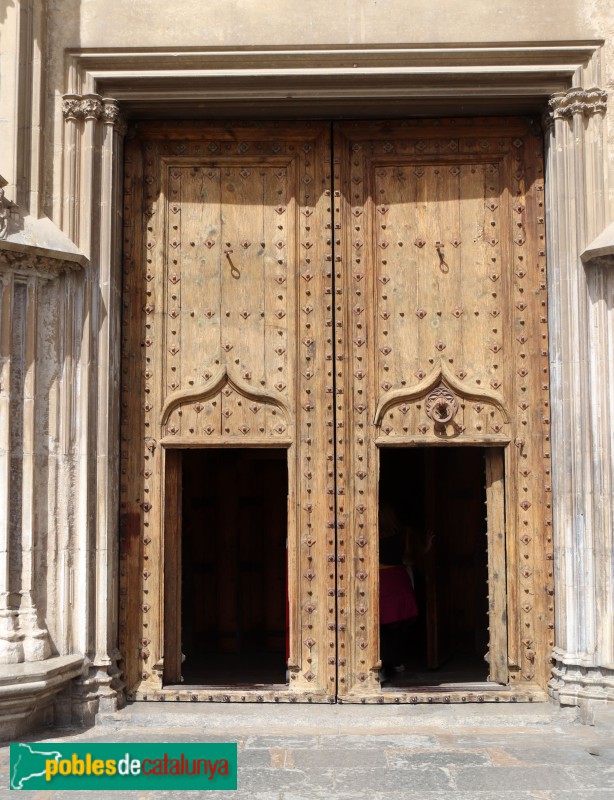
column 234, row 566
column 435, row 498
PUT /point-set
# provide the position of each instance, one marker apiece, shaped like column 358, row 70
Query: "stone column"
column 580, row 391
column 36, row 638
column 107, row 451
column 11, row 641
column 23, row 270
column 73, row 114
column 93, row 171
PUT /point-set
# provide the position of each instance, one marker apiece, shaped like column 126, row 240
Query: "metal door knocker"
column 443, row 266
column 234, row 271
column 441, row 406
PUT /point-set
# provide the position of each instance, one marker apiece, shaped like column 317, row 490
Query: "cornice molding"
column 431, row 79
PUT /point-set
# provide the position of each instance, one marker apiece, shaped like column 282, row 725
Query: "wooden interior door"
column 440, row 283
column 464, row 585
column 228, row 343
column 436, row 610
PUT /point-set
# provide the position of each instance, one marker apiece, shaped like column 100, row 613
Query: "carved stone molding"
column 76, row 107
column 71, row 106
column 573, row 683
column 578, row 101
column 92, row 106
column 26, row 260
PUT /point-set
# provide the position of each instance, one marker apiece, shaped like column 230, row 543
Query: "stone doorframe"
column 561, row 80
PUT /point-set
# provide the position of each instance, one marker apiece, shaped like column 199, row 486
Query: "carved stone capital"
column 92, row 106
column 110, row 111
column 111, row 115
column 547, row 120
column 578, row 101
column 78, row 107
column 71, row 107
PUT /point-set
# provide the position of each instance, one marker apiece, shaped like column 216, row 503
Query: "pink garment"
column 397, row 600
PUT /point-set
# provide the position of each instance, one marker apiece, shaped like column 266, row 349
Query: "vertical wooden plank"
column 198, row 223
column 243, row 253
column 162, row 186
column 358, row 218
column 317, row 597
column 172, row 566
column 477, row 326
column 497, row 570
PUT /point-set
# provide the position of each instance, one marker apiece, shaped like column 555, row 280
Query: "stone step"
column 350, row 719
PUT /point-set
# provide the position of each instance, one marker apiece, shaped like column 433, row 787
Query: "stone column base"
column 36, row 644
column 587, row 687
column 99, row 689
column 11, row 640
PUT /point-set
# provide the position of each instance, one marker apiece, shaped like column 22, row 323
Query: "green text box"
column 44, row 765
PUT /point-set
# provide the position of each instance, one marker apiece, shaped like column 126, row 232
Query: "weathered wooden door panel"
column 405, row 308
column 227, row 343
column 441, row 287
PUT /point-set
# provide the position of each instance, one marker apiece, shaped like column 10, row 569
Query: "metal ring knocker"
column 443, row 265
column 441, row 406
column 234, row 271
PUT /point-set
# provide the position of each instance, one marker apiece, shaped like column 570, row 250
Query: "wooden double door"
column 349, row 301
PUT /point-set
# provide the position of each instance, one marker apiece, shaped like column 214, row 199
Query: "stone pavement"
column 309, row 752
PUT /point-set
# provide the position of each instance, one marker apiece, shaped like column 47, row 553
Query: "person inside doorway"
column 398, row 605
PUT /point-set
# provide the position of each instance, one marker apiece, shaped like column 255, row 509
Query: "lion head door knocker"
column 441, row 406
